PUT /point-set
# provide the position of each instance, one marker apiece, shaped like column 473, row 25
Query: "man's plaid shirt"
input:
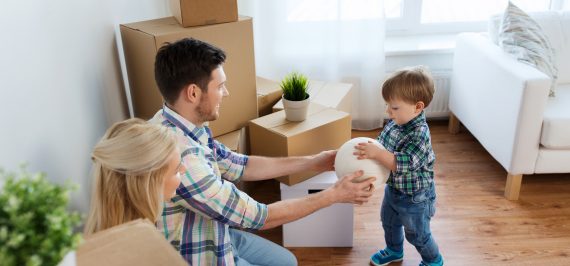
column 411, row 145
column 197, row 220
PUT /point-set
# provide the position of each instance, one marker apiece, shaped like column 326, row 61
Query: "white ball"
column 346, row 162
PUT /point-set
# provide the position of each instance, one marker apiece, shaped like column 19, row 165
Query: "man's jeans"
column 250, row 249
column 413, row 213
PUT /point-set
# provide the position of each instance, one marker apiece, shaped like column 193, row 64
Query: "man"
column 190, row 76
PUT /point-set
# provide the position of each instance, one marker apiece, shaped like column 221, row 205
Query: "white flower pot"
column 296, row 110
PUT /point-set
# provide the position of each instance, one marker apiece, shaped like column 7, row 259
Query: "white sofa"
column 505, row 103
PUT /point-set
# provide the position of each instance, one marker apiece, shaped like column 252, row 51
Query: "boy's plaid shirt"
column 197, row 220
column 411, row 145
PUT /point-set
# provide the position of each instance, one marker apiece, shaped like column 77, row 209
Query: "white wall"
column 60, row 82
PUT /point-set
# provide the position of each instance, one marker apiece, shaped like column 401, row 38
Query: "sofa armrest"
column 499, row 100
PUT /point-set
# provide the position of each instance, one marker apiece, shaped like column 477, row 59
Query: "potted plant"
column 35, row 226
column 295, row 96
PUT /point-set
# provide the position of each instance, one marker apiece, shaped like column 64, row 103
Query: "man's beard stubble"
column 205, row 112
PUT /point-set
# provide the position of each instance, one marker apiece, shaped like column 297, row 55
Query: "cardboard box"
column 324, row 129
column 236, row 141
column 328, row 227
column 203, row 12
column 268, row 94
column 134, row 243
column 331, row 94
column 141, row 41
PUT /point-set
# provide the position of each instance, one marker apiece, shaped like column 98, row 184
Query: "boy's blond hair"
column 410, row 85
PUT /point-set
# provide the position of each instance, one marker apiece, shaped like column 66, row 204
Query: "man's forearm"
column 286, row 211
column 261, row 168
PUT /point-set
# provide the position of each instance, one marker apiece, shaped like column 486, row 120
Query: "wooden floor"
column 474, row 224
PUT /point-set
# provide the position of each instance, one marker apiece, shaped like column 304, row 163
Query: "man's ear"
column 192, row 93
column 420, row 106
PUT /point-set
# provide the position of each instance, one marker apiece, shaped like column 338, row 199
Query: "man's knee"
column 286, row 258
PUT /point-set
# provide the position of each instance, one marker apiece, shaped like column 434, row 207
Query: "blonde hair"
column 410, row 85
column 129, row 164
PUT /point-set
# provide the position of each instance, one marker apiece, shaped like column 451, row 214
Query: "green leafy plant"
column 295, row 87
column 35, row 226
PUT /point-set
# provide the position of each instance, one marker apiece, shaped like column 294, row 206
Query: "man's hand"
column 345, row 190
column 323, row 161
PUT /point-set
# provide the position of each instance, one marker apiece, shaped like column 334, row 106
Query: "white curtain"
column 329, row 40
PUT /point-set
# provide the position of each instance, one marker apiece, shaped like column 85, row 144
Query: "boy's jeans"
column 413, row 213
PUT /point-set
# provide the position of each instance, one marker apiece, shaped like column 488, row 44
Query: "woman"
column 136, row 167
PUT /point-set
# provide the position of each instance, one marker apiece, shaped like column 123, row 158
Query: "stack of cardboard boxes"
column 213, row 21
column 327, row 127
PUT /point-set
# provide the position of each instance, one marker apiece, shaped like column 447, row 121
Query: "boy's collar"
column 414, row 122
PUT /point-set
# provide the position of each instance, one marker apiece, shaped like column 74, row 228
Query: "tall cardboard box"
column 268, row 94
column 331, row 94
column 134, row 243
column 204, row 12
column 274, row 136
column 332, row 226
column 141, row 41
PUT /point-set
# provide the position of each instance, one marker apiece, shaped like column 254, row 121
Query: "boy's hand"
column 367, row 150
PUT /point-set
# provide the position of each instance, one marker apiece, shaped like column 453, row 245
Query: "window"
column 449, row 16
column 323, row 10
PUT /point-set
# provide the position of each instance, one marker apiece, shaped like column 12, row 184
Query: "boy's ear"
column 420, row 106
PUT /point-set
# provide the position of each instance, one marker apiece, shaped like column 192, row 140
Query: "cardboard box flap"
column 268, row 94
column 134, row 243
column 176, row 9
column 155, row 27
column 315, row 87
column 267, row 86
column 278, row 119
column 168, row 26
column 328, row 94
column 230, row 140
column 322, row 181
column 236, row 141
column 331, row 94
column 320, row 118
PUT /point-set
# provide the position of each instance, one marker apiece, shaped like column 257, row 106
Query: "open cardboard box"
column 274, row 136
column 134, row 243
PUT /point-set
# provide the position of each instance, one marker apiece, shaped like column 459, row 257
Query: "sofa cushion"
column 524, row 39
column 556, row 25
column 556, row 124
column 562, row 49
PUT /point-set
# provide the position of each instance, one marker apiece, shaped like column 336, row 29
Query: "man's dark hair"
column 184, row 62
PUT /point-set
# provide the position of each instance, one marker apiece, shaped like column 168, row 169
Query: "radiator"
column 439, row 106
